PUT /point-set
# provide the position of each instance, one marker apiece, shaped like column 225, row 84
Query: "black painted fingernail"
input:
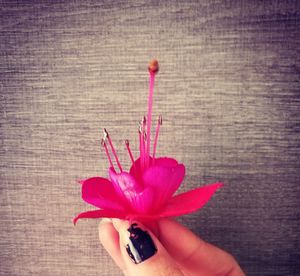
column 140, row 246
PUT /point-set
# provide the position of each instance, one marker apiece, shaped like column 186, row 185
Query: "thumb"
column 142, row 252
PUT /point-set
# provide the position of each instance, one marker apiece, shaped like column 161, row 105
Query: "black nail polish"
column 141, row 246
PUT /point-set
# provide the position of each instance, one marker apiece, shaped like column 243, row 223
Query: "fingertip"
column 104, row 221
column 104, row 228
column 109, row 238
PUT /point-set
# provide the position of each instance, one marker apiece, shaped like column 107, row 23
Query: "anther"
column 129, row 151
column 160, row 119
column 105, row 134
column 103, row 142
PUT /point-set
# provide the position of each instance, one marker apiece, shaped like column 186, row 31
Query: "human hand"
column 167, row 249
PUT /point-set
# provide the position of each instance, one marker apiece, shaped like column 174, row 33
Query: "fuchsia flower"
column 146, row 191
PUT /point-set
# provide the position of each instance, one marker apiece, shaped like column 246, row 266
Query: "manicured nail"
column 139, row 244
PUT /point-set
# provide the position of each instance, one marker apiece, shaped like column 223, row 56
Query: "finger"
column 142, row 253
column 193, row 254
column 109, row 238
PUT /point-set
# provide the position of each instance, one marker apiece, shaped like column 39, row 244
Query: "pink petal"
column 100, row 214
column 124, row 182
column 164, row 180
column 137, row 172
column 141, row 200
column 144, row 201
column 125, row 185
column 190, row 201
column 100, row 192
column 165, row 162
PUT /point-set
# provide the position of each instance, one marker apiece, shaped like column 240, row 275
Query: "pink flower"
column 146, row 191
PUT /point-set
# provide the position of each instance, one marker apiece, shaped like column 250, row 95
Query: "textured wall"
column 228, row 90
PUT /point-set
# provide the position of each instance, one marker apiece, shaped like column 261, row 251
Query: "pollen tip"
column 127, row 142
column 153, row 66
column 160, row 119
column 105, row 132
column 140, row 126
column 102, row 142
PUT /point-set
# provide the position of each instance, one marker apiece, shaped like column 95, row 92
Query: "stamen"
column 153, row 69
column 159, row 123
column 112, row 149
column 143, row 138
column 129, row 151
column 142, row 148
column 103, row 143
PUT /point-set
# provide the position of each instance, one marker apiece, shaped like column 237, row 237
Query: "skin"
column 179, row 251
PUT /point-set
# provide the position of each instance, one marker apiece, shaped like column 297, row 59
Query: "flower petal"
column 144, row 201
column 136, row 169
column 100, row 214
column 137, row 172
column 140, row 200
column 124, row 182
column 100, row 192
column 190, row 201
column 164, row 180
column 165, row 162
column 125, row 185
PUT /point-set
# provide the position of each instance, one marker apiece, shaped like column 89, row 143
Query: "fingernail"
column 139, row 244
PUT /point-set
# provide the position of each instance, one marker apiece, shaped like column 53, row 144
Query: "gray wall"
column 228, row 90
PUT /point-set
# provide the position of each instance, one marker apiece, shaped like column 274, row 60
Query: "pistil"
column 153, row 69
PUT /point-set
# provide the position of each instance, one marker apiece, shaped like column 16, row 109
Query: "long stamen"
column 142, row 149
column 153, row 69
column 112, row 149
column 144, row 141
column 159, row 123
column 103, row 143
column 129, row 151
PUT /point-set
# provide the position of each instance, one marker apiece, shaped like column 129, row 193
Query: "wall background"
column 228, row 90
